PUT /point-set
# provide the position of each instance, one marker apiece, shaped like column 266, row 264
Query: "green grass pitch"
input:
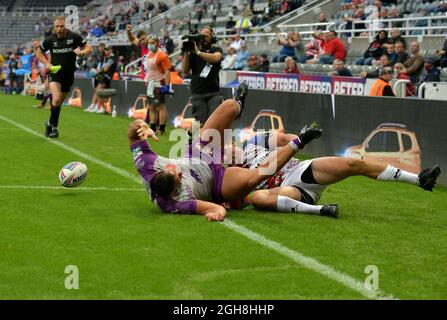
column 125, row 248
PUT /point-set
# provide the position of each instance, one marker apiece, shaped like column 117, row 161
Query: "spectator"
column 381, row 87
column 420, row 23
column 229, row 26
column 263, row 63
column 291, row 66
column 401, row 74
column 402, row 55
column 244, row 24
column 430, row 73
column 374, row 50
column 167, row 43
column 391, row 52
column 312, row 48
column 175, row 76
column 340, row 69
column 332, row 48
column 415, row 63
column 396, row 37
column 252, row 63
column 383, row 62
column 237, row 42
column 288, row 46
column 97, row 31
column 443, row 54
column 242, row 57
column 354, row 22
column 394, row 14
column 229, row 61
column 322, row 19
column 142, row 41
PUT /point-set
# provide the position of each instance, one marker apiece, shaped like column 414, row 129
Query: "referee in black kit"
column 64, row 45
column 204, row 64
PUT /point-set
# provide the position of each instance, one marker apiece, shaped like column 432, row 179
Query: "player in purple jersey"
column 193, row 185
column 297, row 186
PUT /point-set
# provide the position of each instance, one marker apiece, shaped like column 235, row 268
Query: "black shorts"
column 104, row 80
column 159, row 98
column 65, row 79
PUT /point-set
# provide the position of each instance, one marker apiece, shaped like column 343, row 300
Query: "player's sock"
column 54, row 117
column 44, row 100
column 154, row 127
column 296, row 144
column 162, row 128
column 286, row 204
column 394, row 174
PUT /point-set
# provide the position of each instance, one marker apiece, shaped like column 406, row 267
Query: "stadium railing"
column 121, row 38
column 36, row 11
column 434, row 23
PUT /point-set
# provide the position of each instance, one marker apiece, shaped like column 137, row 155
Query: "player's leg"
column 239, row 182
column 329, row 170
column 59, row 92
column 289, row 199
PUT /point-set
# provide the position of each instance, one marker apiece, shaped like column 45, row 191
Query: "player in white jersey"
column 298, row 185
column 196, row 185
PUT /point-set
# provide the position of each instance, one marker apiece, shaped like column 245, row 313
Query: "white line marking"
column 300, row 259
column 119, row 171
column 77, row 188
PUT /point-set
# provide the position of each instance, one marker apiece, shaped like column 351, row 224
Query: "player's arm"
column 212, row 211
column 84, row 49
column 140, row 131
column 42, row 58
column 132, row 39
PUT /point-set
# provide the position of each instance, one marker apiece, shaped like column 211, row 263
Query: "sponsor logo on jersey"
column 196, row 176
column 64, row 50
column 136, row 151
column 55, row 44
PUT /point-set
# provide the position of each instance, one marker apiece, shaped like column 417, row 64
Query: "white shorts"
column 294, row 179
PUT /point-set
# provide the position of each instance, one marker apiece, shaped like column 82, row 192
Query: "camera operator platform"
column 202, row 60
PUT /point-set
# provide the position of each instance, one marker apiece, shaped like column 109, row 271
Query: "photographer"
column 203, row 60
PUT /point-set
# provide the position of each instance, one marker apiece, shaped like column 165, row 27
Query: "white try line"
column 70, row 189
column 300, row 259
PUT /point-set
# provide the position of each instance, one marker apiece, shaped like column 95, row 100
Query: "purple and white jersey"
column 196, row 182
column 256, row 150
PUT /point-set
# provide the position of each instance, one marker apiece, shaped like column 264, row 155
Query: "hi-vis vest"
column 377, row 89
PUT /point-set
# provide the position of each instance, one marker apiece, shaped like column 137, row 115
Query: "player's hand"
column 144, row 132
column 215, row 216
column 78, row 52
column 54, row 69
column 129, row 28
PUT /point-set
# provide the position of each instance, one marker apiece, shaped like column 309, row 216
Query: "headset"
column 213, row 37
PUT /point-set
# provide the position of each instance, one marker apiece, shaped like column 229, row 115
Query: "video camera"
column 188, row 46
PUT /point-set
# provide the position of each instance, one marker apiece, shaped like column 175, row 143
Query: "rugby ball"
column 73, row 174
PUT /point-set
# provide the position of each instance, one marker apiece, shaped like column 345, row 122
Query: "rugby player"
column 299, row 184
column 195, row 186
column 64, row 45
